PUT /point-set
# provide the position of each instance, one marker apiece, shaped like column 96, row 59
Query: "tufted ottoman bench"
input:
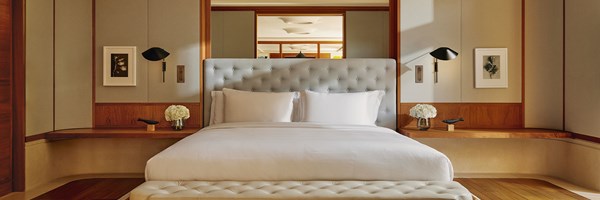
column 295, row 190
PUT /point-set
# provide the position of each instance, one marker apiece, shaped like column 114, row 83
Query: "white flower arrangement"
column 177, row 112
column 423, row 111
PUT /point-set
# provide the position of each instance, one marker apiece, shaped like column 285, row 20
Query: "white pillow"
column 359, row 108
column 217, row 111
column 216, row 108
column 242, row 106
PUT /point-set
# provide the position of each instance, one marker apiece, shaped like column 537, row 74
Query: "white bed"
column 300, row 160
column 298, row 151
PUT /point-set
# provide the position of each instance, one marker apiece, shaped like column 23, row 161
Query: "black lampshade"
column 155, row 54
column 444, row 53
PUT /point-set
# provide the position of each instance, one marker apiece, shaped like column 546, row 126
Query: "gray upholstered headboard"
column 321, row 75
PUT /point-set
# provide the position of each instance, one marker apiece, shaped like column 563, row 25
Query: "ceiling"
column 320, row 28
column 299, row 2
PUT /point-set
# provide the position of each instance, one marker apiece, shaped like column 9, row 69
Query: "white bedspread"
column 298, row 151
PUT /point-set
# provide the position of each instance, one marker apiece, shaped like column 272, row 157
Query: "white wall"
column 367, row 34
column 462, row 25
column 582, row 68
column 232, row 34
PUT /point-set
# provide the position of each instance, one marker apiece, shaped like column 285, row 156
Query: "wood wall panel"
column 476, row 115
column 125, row 115
column 5, row 97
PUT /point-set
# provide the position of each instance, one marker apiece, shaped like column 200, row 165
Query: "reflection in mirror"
column 300, row 36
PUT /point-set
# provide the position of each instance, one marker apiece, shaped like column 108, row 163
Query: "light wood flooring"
column 484, row 188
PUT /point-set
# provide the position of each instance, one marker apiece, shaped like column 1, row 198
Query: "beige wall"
column 463, row 26
column 172, row 25
column 46, row 161
column 571, row 160
column 367, row 34
column 232, row 34
column 543, row 64
column 39, row 61
column 73, row 59
column 582, row 68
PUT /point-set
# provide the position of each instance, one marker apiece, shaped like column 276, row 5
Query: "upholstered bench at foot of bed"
column 320, row 190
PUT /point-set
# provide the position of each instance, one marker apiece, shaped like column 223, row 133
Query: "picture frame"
column 119, row 65
column 491, row 68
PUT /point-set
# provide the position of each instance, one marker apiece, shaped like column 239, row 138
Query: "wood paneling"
column 6, row 69
column 119, row 133
column 476, row 115
column 18, row 95
column 299, row 9
column 105, row 188
column 517, row 189
column 485, row 133
column 125, row 115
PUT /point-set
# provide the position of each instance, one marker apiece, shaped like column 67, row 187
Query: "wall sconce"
column 442, row 53
column 156, row 54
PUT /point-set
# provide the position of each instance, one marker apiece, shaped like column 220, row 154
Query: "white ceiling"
column 299, row 2
column 326, row 28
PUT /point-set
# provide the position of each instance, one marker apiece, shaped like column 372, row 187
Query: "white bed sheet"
column 298, row 151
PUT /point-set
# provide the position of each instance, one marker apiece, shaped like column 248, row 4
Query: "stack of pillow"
column 360, row 108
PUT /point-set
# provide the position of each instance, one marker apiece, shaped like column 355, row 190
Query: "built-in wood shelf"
column 485, row 133
column 119, row 133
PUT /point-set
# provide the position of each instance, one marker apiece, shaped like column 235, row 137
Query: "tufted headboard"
column 320, row 75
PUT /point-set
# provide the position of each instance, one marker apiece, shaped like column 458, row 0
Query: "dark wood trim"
column 18, row 51
column 344, row 35
column 476, row 115
column 300, row 42
column 256, row 35
column 36, row 137
column 564, row 66
column 485, row 133
column 205, row 48
column 393, row 28
column 585, row 137
column 160, row 133
column 395, row 53
column 523, row 61
column 125, row 115
column 299, row 9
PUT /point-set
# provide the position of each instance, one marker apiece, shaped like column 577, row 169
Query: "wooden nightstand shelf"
column 486, row 133
column 119, row 133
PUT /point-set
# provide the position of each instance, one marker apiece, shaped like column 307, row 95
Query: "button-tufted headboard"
column 321, row 75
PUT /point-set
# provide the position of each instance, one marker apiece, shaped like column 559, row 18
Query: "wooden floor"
column 484, row 188
column 515, row 189
column 98, row 188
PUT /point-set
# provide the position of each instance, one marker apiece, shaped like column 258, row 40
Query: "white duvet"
column 298, row 151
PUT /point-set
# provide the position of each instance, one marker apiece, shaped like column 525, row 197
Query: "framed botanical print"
column 491, row 68
column 119, row 66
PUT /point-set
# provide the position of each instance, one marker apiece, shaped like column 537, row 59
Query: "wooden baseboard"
column 476, row 115
column 125, row 115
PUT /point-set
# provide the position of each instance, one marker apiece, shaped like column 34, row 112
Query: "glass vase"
column 177, row 124
column 423, row 124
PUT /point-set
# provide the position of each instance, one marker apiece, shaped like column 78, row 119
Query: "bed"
column 248, row 160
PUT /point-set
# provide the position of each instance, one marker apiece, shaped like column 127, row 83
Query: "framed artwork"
column 119, row 65
column 491, row 68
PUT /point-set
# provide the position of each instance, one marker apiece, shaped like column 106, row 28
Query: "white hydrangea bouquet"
column 177, row 114
column 423, row 112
